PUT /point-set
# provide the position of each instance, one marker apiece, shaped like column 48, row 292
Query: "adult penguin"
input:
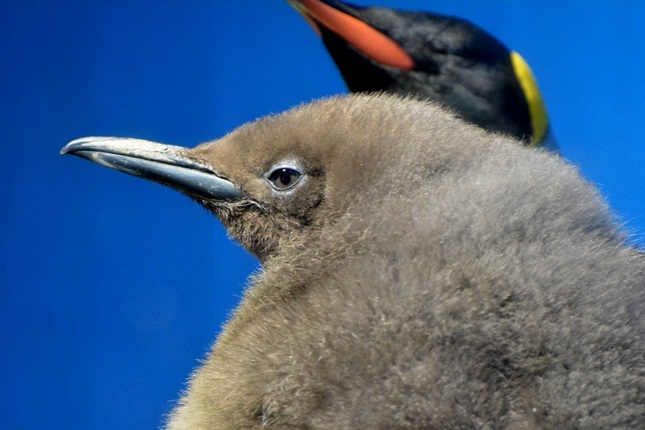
column 432, row 56
column 417, row 273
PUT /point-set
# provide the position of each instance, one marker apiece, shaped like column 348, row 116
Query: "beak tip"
column 67, row 148
column 77, row 144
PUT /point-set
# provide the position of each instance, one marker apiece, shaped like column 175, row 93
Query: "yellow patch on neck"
column 537, row 109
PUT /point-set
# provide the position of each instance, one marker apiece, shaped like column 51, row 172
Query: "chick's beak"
column 166, row 164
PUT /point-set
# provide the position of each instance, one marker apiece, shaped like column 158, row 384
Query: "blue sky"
column 111, row 288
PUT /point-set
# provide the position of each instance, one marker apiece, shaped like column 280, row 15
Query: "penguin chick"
column 418, row 272
column 432, row 56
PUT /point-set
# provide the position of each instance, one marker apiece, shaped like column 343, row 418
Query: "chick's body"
column 425, row 274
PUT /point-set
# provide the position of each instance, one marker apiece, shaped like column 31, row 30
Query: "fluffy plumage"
column 421, row 273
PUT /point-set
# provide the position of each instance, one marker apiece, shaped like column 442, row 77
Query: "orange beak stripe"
column 366, row 39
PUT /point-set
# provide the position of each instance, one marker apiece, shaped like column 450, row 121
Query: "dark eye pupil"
column 284, row 177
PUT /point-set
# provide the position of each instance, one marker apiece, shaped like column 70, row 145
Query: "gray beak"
column 165, row 164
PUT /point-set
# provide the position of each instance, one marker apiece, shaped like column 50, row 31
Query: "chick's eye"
column 284, row 178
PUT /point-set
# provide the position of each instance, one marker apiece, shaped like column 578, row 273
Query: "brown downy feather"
column 424, row 274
